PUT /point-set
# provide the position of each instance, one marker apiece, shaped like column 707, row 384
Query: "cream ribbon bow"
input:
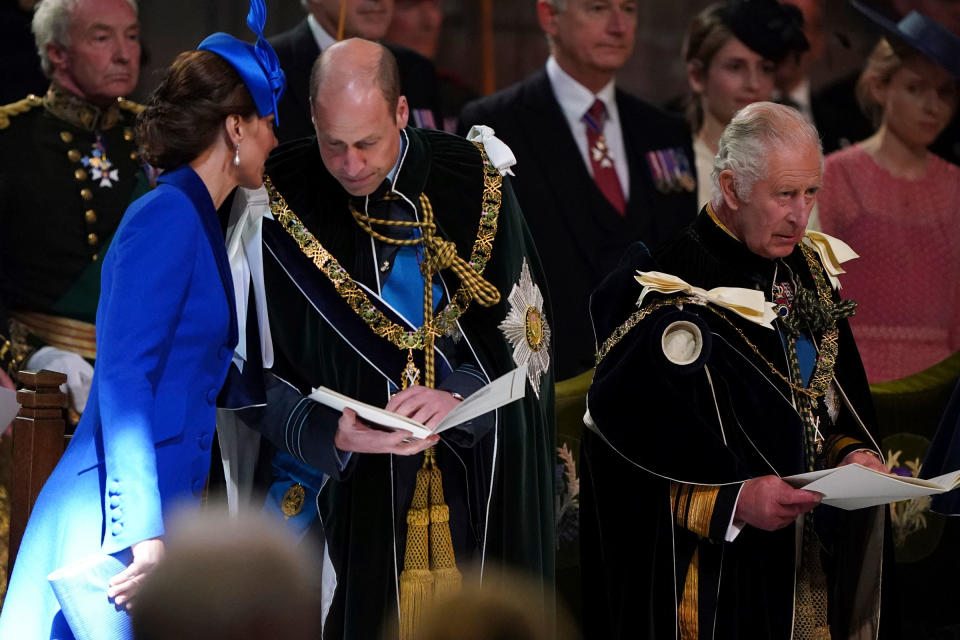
column 746, row 303
column 833, row 252
column 496, row 149
column 245, row 252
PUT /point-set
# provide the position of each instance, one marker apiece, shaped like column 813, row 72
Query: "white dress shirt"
column 575, row 99
column 323, row 38
column 703, row 160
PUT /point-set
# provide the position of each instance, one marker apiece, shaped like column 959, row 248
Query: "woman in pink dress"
column 896, row 203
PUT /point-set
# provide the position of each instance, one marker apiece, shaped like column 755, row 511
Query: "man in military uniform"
column 68, row 170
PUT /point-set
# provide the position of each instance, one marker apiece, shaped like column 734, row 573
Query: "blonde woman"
column 895, row 203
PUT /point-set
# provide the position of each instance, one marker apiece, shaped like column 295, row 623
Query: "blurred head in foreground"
column 508, row 606
column 225, row 578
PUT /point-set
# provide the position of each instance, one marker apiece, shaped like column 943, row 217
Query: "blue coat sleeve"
column 145, row 285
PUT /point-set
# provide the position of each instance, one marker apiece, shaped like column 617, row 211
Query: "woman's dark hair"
column 185, row 113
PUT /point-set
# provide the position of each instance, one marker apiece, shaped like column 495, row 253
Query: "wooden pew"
column 38, row 442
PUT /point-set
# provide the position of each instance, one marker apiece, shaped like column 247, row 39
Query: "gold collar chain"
column 436, row 324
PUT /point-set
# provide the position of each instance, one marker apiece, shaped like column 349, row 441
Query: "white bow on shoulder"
column 747, row 303
column 497, row 150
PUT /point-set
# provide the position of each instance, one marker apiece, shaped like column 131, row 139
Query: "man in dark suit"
column 299, row 47
column 590, row 179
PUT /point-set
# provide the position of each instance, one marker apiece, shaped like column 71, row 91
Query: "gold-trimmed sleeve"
column 702, row 501
column 705, row 510
column 839, row 446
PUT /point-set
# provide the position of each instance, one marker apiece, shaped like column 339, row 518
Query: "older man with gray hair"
column 68, row 169
column 597, row 168
column 735, row 369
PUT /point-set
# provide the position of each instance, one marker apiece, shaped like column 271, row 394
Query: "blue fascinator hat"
column 256, row 63
column 937, row 43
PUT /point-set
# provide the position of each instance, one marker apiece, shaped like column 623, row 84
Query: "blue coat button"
column 116, row 514
column 205, row 441
column 114, row 502
column 212, row 396
column 114, row 488
column 117, row 528
column 198, row 486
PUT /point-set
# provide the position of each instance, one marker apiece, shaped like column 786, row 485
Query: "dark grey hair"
column 51, row 22
column 747, row 141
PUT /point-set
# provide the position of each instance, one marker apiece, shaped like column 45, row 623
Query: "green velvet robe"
column 499, row 487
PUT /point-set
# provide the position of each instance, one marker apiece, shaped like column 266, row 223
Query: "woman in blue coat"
column 166, row 330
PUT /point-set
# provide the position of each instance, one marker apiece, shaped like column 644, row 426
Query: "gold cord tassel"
column 416, row 580
column 447, row 578
column 429, row 562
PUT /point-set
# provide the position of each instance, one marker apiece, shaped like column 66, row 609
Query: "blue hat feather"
column 257, row 64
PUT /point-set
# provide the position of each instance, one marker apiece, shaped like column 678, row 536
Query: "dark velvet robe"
column 498, row 484
column 672, row 445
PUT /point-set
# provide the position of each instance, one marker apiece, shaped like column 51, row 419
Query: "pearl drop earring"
column 236, row 156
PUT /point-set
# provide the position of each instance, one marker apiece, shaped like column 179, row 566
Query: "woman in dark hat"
column 895, row 202
column 166, row 329
column 732, row 50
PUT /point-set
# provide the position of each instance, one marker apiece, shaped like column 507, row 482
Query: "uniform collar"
column 73, row 109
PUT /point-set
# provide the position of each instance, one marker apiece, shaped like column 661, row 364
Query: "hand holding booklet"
column 504, row 390
column 854, row 486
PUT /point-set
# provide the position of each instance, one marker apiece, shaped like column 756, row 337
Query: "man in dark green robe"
column 338, row 293
column 698, row 411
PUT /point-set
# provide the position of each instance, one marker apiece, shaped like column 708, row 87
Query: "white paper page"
column 376, row 415
column 504, row 390
column 8, row 406
column 855, row 487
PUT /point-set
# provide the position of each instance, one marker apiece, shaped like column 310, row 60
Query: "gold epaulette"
column 7, row 111
column 130, row 105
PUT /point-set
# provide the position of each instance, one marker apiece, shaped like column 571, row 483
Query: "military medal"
column 658, row 172
column 684, row 173
column 423, row 118
column 101, row 169
column 670, row 170
column 292, row 502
